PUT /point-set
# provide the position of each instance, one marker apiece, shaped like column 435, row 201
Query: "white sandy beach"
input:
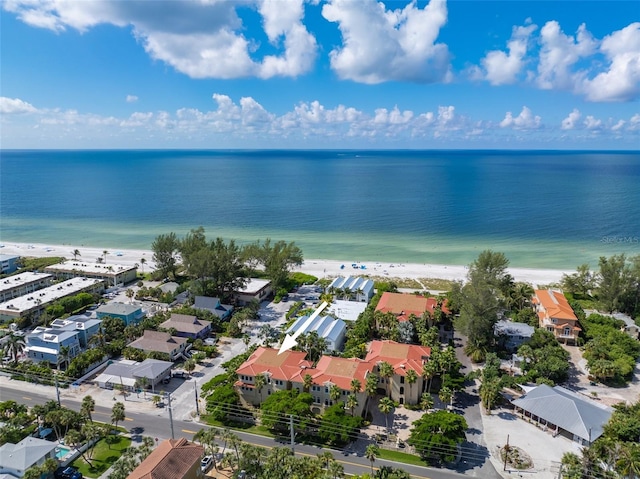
column 316, row 267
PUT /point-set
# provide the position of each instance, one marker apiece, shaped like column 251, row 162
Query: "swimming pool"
column 62, row 451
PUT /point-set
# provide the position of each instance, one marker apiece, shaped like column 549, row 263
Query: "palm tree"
column 356, row 386
column 143, row 261
column 428, row 371
column 142, row 384
column 352, row 402
column 386, row 371
column 628, row 464
column 307, row 382
column 117, row 414
column 87, row 407
column 426, row 401
column 156, row 400
column 207, row 437
column 130, row 294
column 411, row 378
column 371, row 387
column 371, row 452
column 63, row 355
column 189, row 366
column 386, row 405
column 49, row 466
column 14, row 347
column 259, row 383
column 75, row 254
column 326, row 457
column 445, row 395
column 104, row 255
column 334, row 393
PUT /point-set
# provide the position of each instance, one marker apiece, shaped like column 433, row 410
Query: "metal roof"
column 580, row 416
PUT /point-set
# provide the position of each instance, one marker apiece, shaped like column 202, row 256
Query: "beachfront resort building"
column 556, row 315
column 561, row 411
column 34, row 303
column 172, row 459
column 332, row 330
column 15, row 459
column 8, row 263
column 23, row 283
column 129, row 313
column 352, row 288
column 159, row 342
column 187, row 326
column 132, row 375
column 402, row 358
column 403, row 306
column 288, row 371
column 255, row 290
column 112, row 274
column 51, row 345
column 213, row 305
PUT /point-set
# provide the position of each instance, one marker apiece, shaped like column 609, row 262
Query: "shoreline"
column 322, row 268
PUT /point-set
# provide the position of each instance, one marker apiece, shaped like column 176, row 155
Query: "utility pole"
column 170, row 414
column 293, row 434
column 57, row 389
column 506, row 453
column 195, row 389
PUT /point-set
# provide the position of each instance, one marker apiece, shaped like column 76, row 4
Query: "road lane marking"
column 27, row 398
column 189, row 432
column 128, row 419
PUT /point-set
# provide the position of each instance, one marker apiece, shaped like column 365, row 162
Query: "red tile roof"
column 340, row 371
column 404, row 305
column 401, row 356
column 172, row 459
column 555, row 304
column 280, row 366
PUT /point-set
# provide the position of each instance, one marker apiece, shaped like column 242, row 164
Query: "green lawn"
column 106, row 452
column 401, row 457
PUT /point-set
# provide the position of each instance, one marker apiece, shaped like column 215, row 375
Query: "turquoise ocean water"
column 543, row 209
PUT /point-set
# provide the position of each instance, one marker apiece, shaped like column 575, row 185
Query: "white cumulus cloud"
column 10, row 106
column 571, row 121
column 202, row 39
column 383, row 45
column 621, row 81
column 503, row 68
column 131, row 99
column 524, row 121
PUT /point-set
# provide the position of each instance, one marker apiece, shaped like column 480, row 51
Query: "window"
column 401, row 390
column 401, row 379
column 567, row 331
column 326, row 390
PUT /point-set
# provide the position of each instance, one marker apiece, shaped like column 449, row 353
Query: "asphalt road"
column 158, row 426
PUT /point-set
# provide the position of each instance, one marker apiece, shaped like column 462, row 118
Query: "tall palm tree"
column 386, row 405
column 371, row 387
column 386, row 371
column 352, row 402
column 87, row 407
column 371, row 452
column 334, row 393
column 307, row 382
column 117, row 414
column 445, row 395
column 426, row 401
column 356, row 386
column 428, row 372
column 104, row 255
column 63, row 355
column 207, row 437
column 14, row 347
column 143, row 261
column 411, row 378
column 628, row 464
column 75, row 254
column 259, row 383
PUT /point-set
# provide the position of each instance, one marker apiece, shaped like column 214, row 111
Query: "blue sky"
column 320, row 74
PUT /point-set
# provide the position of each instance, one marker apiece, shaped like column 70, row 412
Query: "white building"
column 23, row 283
column 112, row 274
column 332, row 330
column 352, row 288
column 31, row 451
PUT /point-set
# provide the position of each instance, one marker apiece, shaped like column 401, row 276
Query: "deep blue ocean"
column 543, row 209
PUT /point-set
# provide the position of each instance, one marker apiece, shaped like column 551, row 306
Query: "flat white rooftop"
column 46, row 295
column 22, row 279
column 89, row 268
column 254, row 285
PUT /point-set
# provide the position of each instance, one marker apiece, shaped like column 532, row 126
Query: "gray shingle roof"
column 580, row 416
column 24, row 454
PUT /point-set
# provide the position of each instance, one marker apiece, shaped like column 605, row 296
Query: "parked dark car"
column 68, row 472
